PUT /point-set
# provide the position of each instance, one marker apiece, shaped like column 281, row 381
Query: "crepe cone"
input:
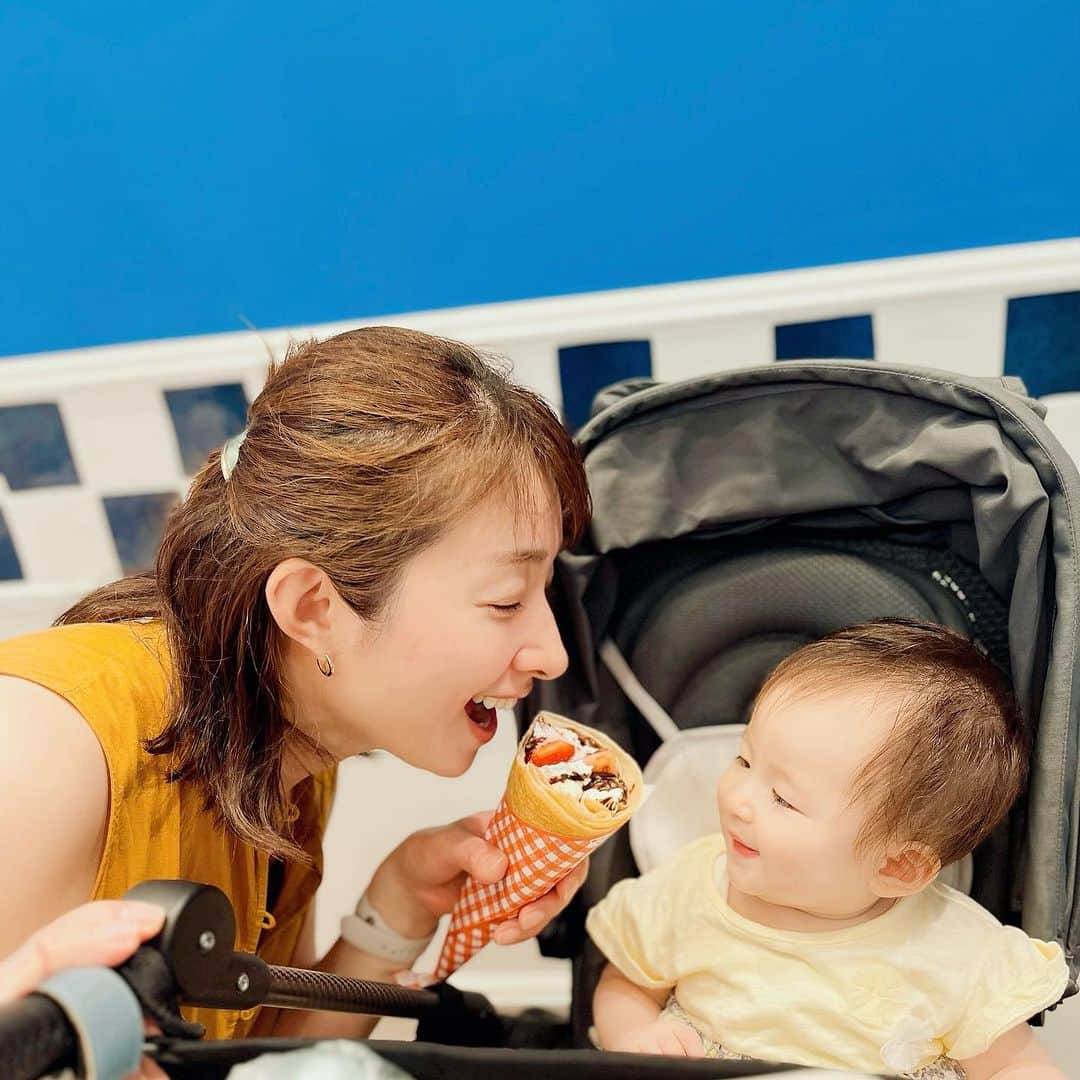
column 544, row 834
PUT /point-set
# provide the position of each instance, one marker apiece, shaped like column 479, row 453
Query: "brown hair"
column 360, row 451
column 957, row 757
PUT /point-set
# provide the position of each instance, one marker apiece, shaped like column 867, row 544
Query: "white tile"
column 535, row 365
column 122, row 438
column 702, row 348
column 61, row 534
column 961, row 332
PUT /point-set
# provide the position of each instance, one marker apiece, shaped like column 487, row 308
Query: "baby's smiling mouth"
column 745, row 850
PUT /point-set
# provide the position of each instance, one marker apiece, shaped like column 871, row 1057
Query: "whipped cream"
column 587, row 781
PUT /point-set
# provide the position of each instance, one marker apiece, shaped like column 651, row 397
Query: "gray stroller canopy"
column 835, row 446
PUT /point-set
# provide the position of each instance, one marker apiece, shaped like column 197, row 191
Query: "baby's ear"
column 906, row 869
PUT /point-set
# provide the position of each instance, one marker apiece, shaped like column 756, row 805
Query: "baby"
column 811, row 928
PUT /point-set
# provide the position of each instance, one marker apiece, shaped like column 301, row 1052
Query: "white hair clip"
column 230, row 452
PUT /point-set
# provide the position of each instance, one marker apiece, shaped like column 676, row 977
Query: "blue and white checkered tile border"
column 96, row 444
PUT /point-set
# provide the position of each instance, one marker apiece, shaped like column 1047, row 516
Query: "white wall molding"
column 782, row 296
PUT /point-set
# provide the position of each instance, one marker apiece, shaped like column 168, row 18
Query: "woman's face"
column 470, row 619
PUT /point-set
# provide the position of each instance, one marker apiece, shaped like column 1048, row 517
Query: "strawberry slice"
column 552, row 752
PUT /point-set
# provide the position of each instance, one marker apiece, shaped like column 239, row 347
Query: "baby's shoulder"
column 692, row 864
column 941, row 908
column 948, row 932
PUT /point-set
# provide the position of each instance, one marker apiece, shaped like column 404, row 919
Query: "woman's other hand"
column 103, row 932
column 421, row 878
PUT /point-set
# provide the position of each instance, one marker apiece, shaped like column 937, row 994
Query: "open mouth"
column 481, row 712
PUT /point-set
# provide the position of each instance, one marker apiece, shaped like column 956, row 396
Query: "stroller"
column 741, row 515
column 737, row 517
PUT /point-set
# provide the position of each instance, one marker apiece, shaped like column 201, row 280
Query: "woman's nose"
column 544, row 656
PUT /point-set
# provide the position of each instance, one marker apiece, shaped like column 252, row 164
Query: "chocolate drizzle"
column 609, row 790
column 607, row 781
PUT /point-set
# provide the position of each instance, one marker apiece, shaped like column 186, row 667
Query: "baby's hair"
column 957, row 757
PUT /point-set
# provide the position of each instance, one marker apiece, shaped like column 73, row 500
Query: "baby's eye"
column 781, row 801
column 742, row 762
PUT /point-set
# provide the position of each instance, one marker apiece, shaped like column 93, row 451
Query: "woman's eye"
column 742, row 762
column 505, row 608
column 780, row 801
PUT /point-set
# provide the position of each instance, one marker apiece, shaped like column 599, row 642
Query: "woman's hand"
column 102, row 933
column 421, row 878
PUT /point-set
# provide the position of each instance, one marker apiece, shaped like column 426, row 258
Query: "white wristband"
column 368, row 931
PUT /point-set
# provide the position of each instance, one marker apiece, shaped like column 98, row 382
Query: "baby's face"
column 785, row 802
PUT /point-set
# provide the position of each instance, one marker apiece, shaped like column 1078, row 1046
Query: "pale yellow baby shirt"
column 935, row 975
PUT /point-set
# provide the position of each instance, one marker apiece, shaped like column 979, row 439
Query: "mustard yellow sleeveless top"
column 117, row 676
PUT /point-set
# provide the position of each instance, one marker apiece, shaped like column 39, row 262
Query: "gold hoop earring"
column 325, row 665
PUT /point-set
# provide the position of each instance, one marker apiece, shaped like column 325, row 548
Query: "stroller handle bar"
column 38, row 1035
column 191, row 962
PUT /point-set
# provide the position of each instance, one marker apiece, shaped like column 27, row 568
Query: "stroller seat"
column 749, row 606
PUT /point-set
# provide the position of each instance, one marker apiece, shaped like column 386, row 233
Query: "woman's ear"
column 302, row 599
column 906, row 869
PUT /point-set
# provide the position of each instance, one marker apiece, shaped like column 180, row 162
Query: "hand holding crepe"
column 570, row 787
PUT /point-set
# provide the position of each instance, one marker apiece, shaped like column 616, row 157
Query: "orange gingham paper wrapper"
column 538, row 861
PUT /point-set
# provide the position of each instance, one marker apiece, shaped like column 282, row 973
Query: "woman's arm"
column 414, row 885
column 54, row 798
column 344, row 960
column 1016, row 1055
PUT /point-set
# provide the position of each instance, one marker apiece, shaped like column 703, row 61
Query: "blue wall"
column 177, row 169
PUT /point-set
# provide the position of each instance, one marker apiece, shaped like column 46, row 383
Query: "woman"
column 361, row 569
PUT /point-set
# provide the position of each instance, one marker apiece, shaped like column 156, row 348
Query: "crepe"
column 567, row 797
column 551, row 816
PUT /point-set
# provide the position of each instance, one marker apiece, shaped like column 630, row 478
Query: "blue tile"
column 204, row 417
column 586, row 369
column 1042, row 342
column 34, row 450
column 137, row 522
column 849, row 338
column 10, row 567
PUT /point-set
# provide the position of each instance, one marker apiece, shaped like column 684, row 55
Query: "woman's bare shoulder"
column 54, row 803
